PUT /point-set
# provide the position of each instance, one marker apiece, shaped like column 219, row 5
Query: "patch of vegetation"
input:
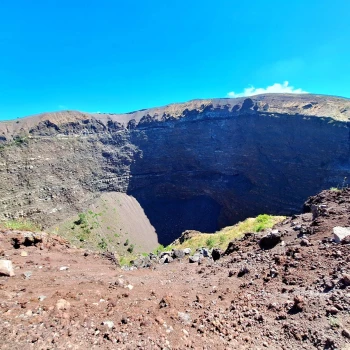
column 221, row 238
column 126, row 260
column 83, row 231
column 126, row 242
column 263, row 222
column 102, row 244
column 82, row 221
column 210, row 242
column 334, row 322
column 161, row 249
column 21, row 225
column 342, row 187
column 19, row 140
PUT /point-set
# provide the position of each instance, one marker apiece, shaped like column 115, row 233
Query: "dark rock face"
column 200, row 166
column 270, row 241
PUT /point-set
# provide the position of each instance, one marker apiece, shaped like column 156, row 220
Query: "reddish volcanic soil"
column 293, row 296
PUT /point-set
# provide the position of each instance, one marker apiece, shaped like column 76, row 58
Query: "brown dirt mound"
column 293, row 296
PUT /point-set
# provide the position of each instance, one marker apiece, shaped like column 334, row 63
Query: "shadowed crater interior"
column 173, row 216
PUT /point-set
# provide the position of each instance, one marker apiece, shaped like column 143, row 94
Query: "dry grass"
column 221, row 238
column 21, row 225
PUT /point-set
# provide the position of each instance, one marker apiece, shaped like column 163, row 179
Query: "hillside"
column 292, row 294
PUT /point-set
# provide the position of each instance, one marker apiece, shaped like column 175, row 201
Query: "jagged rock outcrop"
column 199, row 165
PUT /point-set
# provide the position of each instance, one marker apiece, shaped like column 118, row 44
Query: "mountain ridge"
column 337, row 108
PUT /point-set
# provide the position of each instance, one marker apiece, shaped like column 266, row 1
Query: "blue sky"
column 119, row 56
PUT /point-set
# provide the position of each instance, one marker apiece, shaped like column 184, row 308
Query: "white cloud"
column 276, row 88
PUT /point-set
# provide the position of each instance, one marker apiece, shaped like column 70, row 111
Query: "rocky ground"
column 287, row 290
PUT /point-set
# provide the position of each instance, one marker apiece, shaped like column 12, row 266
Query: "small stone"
column 162, row 254
column 346, row 240
column 205, row 252
column 184, row 317
column 165, row 302
column 298, row 256
column 298, row 303
column 273, row 273
column 42, row 297
column 346, row 279
column 129, row 286
column 109, row 324
column 185, row 332
column 178, row 254
column 243, row 271
column 24, row 253
column 64, row 268
column 29, row 313
column 165, row 259
column 304, row 242
column 332, row 310
column 194, row 258
column 27, row 274
column 6, row 268
column 62, row 304
column 120, row 282
column 159, row 320
column 345, row 333
column 187, row 251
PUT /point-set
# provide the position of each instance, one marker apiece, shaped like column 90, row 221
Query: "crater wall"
column 199, row 165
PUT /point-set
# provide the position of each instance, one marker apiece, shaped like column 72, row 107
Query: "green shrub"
column 18, row 140
column 131, row 248
column 161, row 248
column 125, row 261
column 210, row 242
column 102, row 244
column 82, row 221
column 262, row 222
